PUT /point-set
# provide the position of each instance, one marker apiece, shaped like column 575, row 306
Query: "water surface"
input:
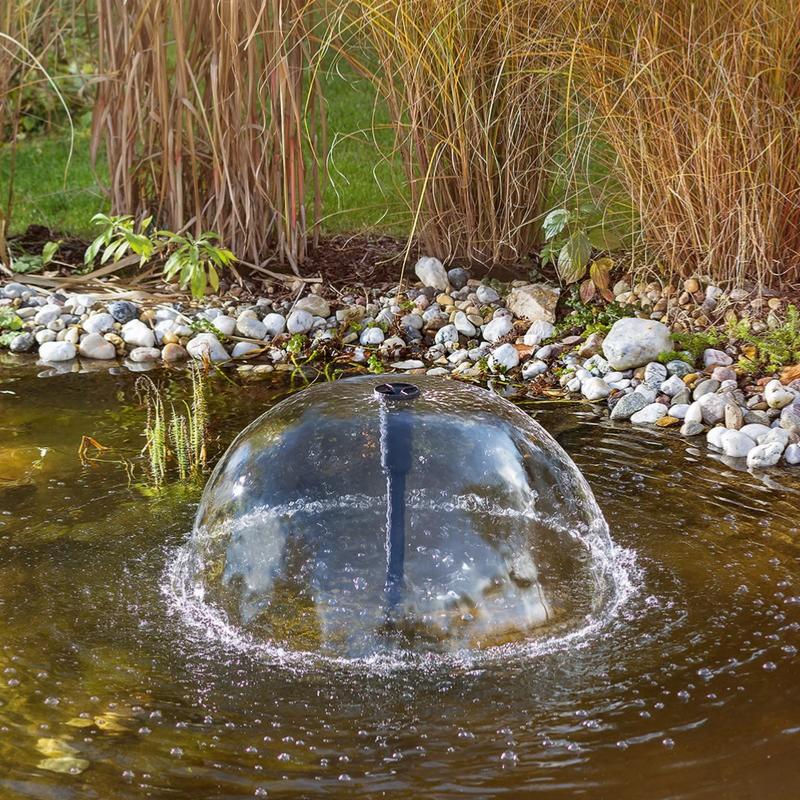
column 692, row 690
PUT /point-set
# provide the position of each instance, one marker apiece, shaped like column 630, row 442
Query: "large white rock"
column 777, row 395
column 534, row 301
column 275, row 323
column 736, row 444
column 207, row 345
column 137, row 334
column 765, row 455
column 633, row 342
column 714, row 437
column 498, row 328
column 713, row 407
column 93, row 345
column 224, row 324
column 755, row 430
column 251, row 327
column 430, row 272
column 56, row 351
column 299, row 321
column 46, row 314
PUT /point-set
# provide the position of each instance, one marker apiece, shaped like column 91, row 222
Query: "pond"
column 691, row 689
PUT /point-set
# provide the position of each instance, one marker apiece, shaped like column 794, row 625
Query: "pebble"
column 300, row 322
column 691, row 428
column 140, row 355
column 595, row 389
column 93, row 345
column 123, row 311
column 449, row 333
column 463, row 325
column 315, row 305
column 533, row 368
column 679, row 368
column 57, row 351
column 137, row 334
column 708, row 386
column 497, row 329
column 672, row 386
column 777, row 395
column 276, row 324
column 486, row 295
column 46, row 314
column 713, row 407
column 538, row 331
column 734, row 418
column 649, row 414
column 223, row 323
column 254, row 328
column 206, row 345
column 244, row 349
column 373, row 336
column 23, row 343
column 716, row 358
column 98, row 323
column 792, row 454
column 174, row 352
column 765, row 455
column 431, row 272
column 505, row 356
column 457, row 277
column 412, row 363
column 633, row 342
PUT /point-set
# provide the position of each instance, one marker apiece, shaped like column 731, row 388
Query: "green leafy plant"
column 30, row 262
column 374, row 365
column 676, row 355
column 119, row 236
column 695, row 343
column 570, row 235
column 773, row 349
column 195, row 262
column 9, row 320
column 589, row 317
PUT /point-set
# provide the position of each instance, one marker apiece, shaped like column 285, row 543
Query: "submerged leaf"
column 54, row 747
column 65, row 764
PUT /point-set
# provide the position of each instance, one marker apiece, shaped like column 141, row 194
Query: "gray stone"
column 463, row 325
column 411, row 363
column 275, row 324
column 775, row 435
column 22, row 343
column 123, row 311
column 14, row 290
column 708, row 386
column 57, row 351
column 714, row 437
column 716, row 358
column 223, row 323
column 755, row 431
column 532, row 369
column 713, row 407
column 678, row 410
column 647, row 392
column 46, row 314
column 672, row 386
column 93, row 345
column 458, row 277
column 633, row 342
column 315, row 305
column 534, row 301
column 45, row 336
column 628, row 405
column 370, row 337
column 691, row 428
column 449, row 333
column 679, row 368
column 792, row 454
column 431, row 273
column 413, row 321
column 251, row 327
column 300, row 322
column 486, row 295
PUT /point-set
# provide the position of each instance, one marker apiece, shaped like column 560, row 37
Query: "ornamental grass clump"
column 701, row 103
column 475, row 92
column 212, row 119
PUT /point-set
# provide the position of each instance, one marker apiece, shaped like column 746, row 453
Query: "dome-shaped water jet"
column 361, row 517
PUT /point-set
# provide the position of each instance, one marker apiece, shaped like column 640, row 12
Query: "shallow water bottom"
column 690, row 690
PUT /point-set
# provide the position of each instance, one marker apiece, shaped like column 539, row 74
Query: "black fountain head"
column 360, row 517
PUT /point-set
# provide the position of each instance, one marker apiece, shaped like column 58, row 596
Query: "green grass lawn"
column 364, row 191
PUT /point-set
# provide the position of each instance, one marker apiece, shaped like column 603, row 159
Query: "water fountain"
column 363, row 517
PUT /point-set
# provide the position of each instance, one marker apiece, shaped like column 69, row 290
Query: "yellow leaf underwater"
column 64, row 764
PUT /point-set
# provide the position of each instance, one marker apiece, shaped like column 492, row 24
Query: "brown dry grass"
column 701, row 104
column 209, row 116
column 475, row 90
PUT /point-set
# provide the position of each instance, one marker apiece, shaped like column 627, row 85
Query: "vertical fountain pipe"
column 396, row 434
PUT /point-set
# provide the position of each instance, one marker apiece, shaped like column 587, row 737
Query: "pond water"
column 690, row 690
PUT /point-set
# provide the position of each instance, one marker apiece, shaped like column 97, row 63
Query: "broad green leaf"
column 604, row 239
column 198, row 283
column 213, row 278
column 573, row 257
column 49, row 251
column 555, row 222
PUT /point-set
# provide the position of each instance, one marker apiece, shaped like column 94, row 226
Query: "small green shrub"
column 776, row 348
column 676, row 355
column 9, row 320
column 696, row 343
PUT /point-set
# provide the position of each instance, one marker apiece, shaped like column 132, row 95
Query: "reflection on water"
column 691, row 691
